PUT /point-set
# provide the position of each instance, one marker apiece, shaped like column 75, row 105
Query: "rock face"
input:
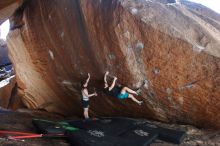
column 174, row 46
column 7, row 8
column 6, row 87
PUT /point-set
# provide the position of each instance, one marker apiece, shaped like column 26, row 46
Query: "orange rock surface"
column 174, row 46
column 7, row 8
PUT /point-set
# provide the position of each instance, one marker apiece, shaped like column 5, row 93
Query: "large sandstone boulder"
column 7, row 8
column 174, row 46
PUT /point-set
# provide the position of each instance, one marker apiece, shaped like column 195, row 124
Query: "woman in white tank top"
column 85, row 98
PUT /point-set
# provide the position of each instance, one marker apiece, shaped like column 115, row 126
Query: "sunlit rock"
column 174, row 47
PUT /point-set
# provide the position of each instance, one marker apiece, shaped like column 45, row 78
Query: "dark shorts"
column 123, row 96
column 85, row 104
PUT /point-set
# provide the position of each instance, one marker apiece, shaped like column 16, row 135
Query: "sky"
column 213, row 4
column 4, row 29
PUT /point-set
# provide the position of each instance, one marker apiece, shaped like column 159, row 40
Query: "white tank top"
column 85, row 98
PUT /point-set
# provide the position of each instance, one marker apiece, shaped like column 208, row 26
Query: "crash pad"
column 111, row 126
column 116, row 131
column 100, row 138
column 51, row 127
column 165, row 134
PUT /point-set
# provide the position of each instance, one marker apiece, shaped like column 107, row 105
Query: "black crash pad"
column 125, row 130
column 165, row 134
column 47, row 127
column 111, row 126
column 116, row 131
column 173, row 136
column 119, row 126
column 99, row 138
column 139, row 136
column 50, row 127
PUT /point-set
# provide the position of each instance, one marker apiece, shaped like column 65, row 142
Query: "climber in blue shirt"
column 118, row 91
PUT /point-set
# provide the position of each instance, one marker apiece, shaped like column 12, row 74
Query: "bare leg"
column 134, row 99
column 86, row 113
column 126, row 89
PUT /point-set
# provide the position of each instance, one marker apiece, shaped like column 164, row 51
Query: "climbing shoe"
column 140, row 103
column 138, row 91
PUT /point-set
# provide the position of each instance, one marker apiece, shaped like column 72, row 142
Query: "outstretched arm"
column 89, row 95
column 87, row 80
column 105, row 79
column 113, row 84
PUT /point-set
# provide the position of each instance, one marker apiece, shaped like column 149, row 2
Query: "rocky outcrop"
column 7, row 83
column 6, row 87
column 7, row 8
column 174, row 47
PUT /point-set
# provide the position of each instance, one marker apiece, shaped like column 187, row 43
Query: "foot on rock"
column 145, row 82
column 140, row 103
column 138, row 91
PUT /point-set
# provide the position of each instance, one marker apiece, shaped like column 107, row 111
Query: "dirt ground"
column 22, row 121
